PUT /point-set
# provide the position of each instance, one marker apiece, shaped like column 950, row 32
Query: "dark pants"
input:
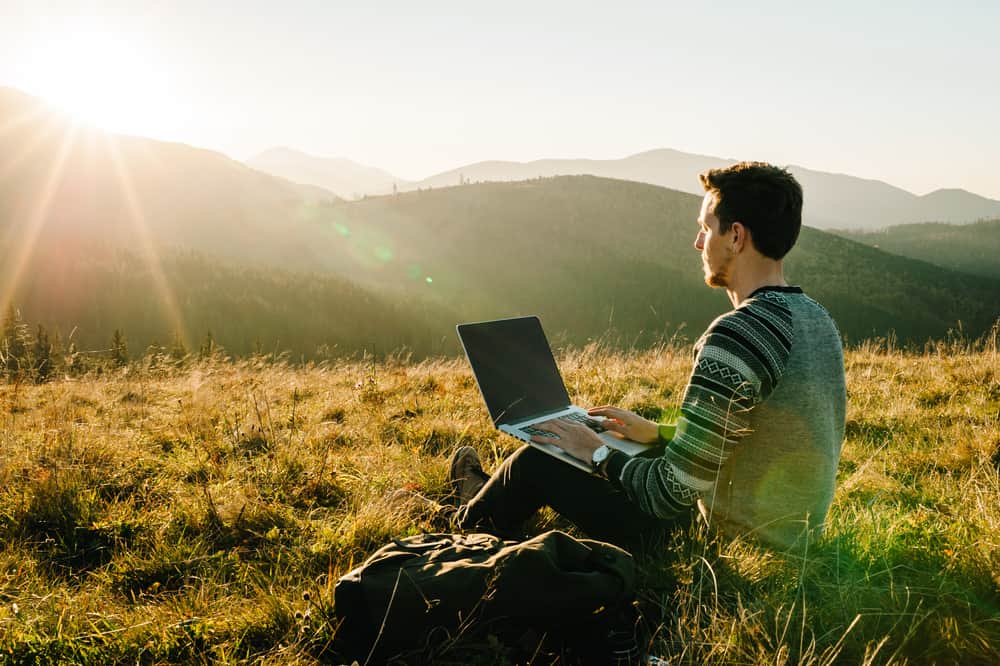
column 530, row 479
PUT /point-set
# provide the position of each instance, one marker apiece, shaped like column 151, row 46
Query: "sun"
column 98, row 76
column 102, row 79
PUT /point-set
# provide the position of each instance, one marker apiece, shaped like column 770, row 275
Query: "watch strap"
column 613, row 466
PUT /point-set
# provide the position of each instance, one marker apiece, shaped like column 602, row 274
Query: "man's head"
column 750, row 218
column 766, row 200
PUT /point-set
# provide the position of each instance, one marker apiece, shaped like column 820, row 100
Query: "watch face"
column 600, row 455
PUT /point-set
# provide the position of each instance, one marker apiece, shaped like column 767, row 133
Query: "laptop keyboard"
column 543, row 433
column 593, row 424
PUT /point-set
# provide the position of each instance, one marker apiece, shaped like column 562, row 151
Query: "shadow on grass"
column 846, row 601
column 64, row 523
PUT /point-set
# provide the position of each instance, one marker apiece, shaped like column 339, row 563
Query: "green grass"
column 202, row 514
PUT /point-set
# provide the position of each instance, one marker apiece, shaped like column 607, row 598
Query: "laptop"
column 521, row 385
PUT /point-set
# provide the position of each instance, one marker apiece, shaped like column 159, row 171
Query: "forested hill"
column 595, row 258
column 970, row 248
column 186, row 298
column 590, row 253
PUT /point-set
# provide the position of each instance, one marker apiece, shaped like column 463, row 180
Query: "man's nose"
column 699, row 241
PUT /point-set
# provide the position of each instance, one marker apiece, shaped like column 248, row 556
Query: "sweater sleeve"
column 739, row 360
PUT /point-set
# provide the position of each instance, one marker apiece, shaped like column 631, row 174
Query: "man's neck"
column 744, row 283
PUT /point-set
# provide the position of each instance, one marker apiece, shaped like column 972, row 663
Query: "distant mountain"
column 831, row 200
column 667, row 168
column 346, row 179
column 970, row 248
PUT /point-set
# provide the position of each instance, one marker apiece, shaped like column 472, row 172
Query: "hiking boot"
column 467, row 475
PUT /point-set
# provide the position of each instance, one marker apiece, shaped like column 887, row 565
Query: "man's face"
column 716, row 252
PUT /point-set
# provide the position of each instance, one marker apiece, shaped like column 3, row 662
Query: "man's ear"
column 741, row 236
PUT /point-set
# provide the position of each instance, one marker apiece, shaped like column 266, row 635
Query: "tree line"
column 31, row 354
column 80, row 303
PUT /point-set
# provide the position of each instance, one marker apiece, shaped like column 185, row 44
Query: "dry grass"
column 184, row 515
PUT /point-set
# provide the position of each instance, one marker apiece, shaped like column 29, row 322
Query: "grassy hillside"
column 970, row 248
column 203, row 513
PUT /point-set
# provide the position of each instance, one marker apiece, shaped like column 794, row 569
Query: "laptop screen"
column 513, row 365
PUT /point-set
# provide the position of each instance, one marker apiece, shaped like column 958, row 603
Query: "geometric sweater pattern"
column 738, row 362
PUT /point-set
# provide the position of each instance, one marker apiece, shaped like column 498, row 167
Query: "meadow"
column 200, row 511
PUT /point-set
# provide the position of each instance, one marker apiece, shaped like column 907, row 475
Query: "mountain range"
column 99, row 232
column 832, row 200
column 349, row 180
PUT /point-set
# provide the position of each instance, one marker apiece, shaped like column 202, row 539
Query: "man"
column 758, row 441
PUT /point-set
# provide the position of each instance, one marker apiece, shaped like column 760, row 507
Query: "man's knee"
column 530, row 464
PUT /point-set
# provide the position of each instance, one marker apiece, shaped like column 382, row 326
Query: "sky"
column 877, row 90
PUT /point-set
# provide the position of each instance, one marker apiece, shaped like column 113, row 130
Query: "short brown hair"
column 764, row 198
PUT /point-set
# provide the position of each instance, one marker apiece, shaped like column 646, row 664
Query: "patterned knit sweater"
column 762, row 421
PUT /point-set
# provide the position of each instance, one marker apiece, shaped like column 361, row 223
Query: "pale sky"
column 883, row 90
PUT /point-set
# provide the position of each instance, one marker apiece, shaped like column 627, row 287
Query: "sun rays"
column 32, row 222
column 58, row 155
column 67, row 184
column 24, row 120
column 147, row 247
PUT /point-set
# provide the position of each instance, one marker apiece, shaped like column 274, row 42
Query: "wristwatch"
column 599, row 457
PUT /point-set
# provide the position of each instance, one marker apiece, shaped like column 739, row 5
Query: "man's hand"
column 574, row 438
column 627, row 424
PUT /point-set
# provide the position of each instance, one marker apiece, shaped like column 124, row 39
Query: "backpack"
column 419, row 592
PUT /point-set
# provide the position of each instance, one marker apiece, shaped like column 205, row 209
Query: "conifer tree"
column 42, row 356
column 207, row 347
column 77, row 364
column 177, row 349
column 57, row 357
column 119, row 349
column 14, row 343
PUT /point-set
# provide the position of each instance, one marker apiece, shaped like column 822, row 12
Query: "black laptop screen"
column 514, row 367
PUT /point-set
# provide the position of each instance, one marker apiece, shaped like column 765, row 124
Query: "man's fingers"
column 609, row 412
column 603, row 410
column 622, row 417
column 554, row 426
column 562, row 428
column 613, row 416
